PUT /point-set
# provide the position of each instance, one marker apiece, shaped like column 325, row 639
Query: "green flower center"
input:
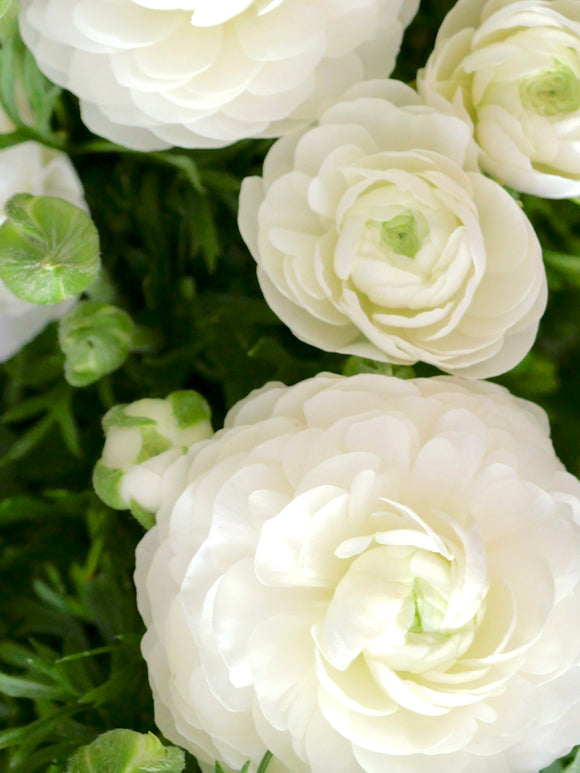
column 400, row 234
column 552, row 93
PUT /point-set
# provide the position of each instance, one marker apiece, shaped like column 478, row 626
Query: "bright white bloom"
column 376, row 235
column 31, row 168
column 368, row 574
column 206, row 73
column 511, row 70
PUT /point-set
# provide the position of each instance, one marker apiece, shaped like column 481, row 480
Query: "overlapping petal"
column 375, row 235
column 511, row 70
column 155, row 73
column 376, row 573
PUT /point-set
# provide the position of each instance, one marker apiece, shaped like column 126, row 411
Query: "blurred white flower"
column 368, row 575
column 31, row 168
column 206, row 73
column 511, row 70
column 376, row 235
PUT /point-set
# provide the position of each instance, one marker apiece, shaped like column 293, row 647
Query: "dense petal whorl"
column 376, row 235
column 206, row 73
column 31, row 168
column 368, row 575
column 511, row 70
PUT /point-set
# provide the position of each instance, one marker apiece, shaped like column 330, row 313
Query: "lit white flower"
column 511, row 70
column 375, row 235
column 369, row 575
column 206, row 73
column 31, row 168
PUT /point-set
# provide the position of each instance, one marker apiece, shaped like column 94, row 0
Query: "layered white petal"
column 511, row 70
column 371, row 575
column 156, row 73
column 375, row 235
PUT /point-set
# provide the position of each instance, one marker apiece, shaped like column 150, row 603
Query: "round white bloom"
column 31, row 168
column 376, row 235
column 206, row 73
column 368, row 574
column 511, row 70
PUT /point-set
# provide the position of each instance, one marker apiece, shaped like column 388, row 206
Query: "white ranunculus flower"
column 376, row 235
column 369, row 575
column 206, row 73
column 511, row 70
column 31, row 168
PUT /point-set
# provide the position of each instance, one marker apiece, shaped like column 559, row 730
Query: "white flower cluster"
column 31, row 168
column 368, row 574
column 206, row 73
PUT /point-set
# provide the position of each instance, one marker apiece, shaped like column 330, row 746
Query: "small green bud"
column 49, row 249
column 400, row 234
column 96, row 339
column 124, row 751
column 142, row 440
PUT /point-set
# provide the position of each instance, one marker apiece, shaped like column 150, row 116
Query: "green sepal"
column 96, row 339
column 143, row 516
column 118, row 417
column 107, row 484
column 49, row 249
column 153, row 443
column 125, row 751
column 189, row 408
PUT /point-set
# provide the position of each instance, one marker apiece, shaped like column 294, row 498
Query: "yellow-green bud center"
column 400, row 234
column 553, row 93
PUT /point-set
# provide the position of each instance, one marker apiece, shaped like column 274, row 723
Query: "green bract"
column 124, row 751
column 49, row 249
column 96, row 339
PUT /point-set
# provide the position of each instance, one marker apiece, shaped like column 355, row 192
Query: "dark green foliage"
column 70, row 665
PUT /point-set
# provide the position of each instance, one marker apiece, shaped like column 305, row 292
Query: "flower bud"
column 142, row 440
column 124, row 751
column 49, row 249
column 96, row 339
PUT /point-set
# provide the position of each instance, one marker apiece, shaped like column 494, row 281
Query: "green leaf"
column 574, row 766
column 124, row 751
column 49, row 249
column 17, row 687
column 355, row 365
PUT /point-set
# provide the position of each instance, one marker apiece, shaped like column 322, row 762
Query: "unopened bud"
column 96, row 339
column 124, row 751
column 142, row 440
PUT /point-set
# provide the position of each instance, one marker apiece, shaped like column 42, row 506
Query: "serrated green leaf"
column 49, row 249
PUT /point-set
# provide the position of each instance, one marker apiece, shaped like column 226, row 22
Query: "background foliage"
column 70, row 666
